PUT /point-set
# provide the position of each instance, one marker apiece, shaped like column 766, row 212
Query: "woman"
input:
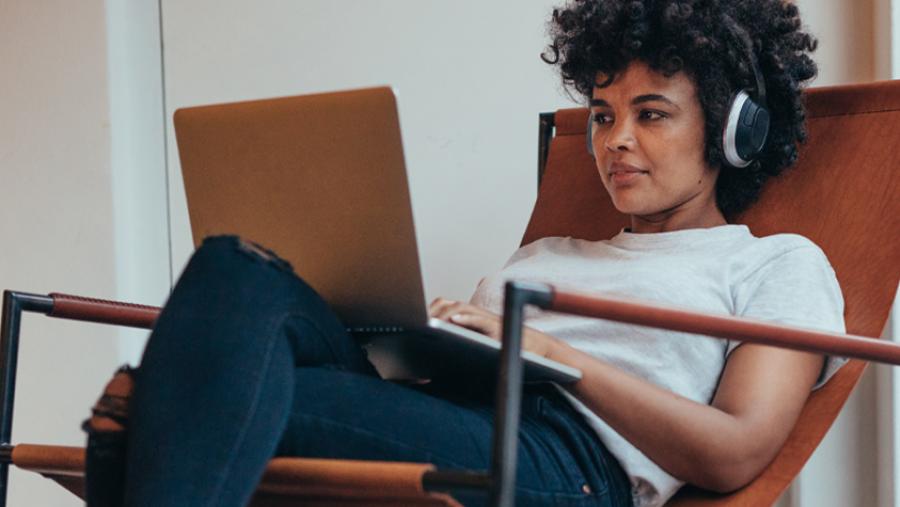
column 247, row 362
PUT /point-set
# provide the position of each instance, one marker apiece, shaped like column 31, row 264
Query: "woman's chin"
column 630, row 207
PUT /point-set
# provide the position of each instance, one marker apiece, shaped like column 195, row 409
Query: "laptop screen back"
column 319, row 179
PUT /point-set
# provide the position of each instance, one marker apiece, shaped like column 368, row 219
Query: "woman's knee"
column 260, row 253
column 237, row 248
column 237, row 266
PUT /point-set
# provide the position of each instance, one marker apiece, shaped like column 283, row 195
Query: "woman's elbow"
column 726, row 481
column 730, row 472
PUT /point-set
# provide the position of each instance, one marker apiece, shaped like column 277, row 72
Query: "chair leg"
column 14, row 303
column 509, row 388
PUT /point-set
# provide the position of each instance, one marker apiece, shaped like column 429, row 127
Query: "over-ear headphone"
column 747, row 123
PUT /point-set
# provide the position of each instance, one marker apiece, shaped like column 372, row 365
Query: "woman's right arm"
column 720, row 447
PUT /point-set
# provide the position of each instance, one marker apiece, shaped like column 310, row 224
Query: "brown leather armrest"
column 725, row 326
column 103, row 311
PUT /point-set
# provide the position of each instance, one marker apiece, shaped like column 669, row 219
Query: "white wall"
column 468, row 111
column 470, row 82
column 83, row 189
column 887, row 394
column 81, row 143
column 844, row 28
column 468, row 120
column 138, row 160
column 57, row 222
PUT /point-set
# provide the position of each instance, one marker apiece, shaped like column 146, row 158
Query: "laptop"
column 321, row 180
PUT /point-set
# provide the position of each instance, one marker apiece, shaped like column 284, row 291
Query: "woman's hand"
column 490, row 324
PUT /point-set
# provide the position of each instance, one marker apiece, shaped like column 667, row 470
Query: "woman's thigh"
column 340, row 414
column 232, row 300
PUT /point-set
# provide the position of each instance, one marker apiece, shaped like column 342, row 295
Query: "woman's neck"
column 677, row 219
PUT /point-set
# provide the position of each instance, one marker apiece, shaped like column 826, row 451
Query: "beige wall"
column 467, row 226
column 83, row 193
column 470, row 88
column 845, row 29
column 57, row 223
column 67, row 170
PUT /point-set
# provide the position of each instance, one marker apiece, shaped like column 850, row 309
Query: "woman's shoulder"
column 787, row 268
column 787, row 241
column 784, row 249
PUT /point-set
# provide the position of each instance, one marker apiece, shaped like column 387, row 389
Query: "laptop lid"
column 321, row 180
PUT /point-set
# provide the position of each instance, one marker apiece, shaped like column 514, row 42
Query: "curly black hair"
column 591, row 36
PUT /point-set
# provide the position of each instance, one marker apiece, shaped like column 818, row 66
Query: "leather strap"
column 103, row 311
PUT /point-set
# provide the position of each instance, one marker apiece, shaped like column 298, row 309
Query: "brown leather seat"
column 843, row 195
column 287, row 481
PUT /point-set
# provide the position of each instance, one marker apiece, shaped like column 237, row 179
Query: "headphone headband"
column 747, row 44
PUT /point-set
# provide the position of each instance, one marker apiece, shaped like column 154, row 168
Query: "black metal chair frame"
column 500, row 479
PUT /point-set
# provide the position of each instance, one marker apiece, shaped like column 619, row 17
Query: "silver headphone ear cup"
column 589, row 135
column 746, row 131
column 730, row 133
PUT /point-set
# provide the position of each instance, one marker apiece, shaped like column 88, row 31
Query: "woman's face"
column 648, row 139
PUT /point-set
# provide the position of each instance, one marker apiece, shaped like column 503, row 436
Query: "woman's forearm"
column 692, row 441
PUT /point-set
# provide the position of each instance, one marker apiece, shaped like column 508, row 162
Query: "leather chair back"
column 843, row 194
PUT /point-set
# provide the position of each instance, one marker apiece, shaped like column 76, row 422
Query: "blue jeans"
column 247, row 362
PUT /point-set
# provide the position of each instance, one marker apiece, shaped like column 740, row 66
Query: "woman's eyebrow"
column 640, row 99
column 652, row 97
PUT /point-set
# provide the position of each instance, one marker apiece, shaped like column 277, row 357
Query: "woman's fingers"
column 487, row 323
column 484, row 323
column 439, row 307
column 444, row 308
column 466, row 315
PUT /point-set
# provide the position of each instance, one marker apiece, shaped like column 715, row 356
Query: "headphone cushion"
column 589, row 137
column 746, row 130
column 752, row 130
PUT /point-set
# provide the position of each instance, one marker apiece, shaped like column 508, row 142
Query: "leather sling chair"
column 842, row 194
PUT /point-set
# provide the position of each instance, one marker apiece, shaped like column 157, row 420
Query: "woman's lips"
column 621, row 174
column 625, row 177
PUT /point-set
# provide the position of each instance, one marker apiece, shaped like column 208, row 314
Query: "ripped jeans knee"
column 250, row 248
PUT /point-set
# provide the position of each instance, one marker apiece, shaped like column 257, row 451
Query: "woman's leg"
column 216, row 381
column 343, row 415
column 229, row 377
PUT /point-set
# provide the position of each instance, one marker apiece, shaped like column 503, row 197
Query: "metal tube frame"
column 509, row 388
column 500, row 482
column 14, row 303
column 501, row 479
column 546, row 128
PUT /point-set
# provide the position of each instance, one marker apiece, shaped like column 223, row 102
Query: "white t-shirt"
column 783, row 278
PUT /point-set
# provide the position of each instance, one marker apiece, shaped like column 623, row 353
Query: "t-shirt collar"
column 680, row 238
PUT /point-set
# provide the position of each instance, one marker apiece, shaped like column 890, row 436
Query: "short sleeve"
column 797, row 287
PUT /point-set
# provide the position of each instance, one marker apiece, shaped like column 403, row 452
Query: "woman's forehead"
column 638, row 79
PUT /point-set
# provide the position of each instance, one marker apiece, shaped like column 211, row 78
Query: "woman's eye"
column 602, row 118
column 652, row 115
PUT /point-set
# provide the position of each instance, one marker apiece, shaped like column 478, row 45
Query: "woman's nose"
column 620, row 138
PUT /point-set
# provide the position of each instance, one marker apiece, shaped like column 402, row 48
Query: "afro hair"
column 693, row 36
